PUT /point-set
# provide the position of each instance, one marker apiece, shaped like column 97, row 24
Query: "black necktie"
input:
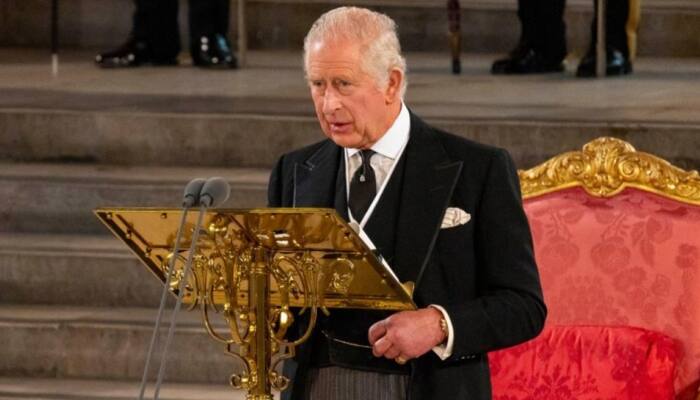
column 363, row 187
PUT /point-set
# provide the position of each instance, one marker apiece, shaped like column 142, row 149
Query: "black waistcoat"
column 341, row 339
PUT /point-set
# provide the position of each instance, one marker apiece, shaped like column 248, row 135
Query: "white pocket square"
column 454, row 217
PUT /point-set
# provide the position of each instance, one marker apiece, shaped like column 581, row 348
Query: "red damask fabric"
column 629, row 260
column 587, row 363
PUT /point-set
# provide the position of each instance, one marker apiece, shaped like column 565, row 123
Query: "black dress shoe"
column 456, row 66
column 525, row 60
column 213, row 52
column 616, row 64
column 131, row 54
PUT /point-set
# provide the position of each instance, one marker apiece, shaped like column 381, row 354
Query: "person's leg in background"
column 455, row 34
column 154, row 37
column 209, row 44
column 542, row 44
column 621, row 25
column 551, row 42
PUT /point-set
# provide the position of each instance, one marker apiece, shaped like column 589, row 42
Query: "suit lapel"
column 429, row 180
column 316, row 179
column 341, row 197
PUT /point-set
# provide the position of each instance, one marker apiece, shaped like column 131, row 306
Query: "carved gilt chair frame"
column 605, row 167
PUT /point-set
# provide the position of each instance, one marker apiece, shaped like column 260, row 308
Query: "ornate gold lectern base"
column 252, row 266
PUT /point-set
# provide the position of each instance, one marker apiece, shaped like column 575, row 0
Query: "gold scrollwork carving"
column 342, row 275
column 605, row 167
column 223, row 266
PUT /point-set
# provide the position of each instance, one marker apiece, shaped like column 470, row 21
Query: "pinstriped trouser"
column 336, row 383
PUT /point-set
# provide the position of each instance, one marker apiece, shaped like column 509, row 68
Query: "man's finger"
column 392, row 353
column 381, row 346
column 376, row 331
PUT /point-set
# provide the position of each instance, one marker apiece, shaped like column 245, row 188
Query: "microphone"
column 190, row 198
column 215, row 192
column 210, row 193
column 192, row 190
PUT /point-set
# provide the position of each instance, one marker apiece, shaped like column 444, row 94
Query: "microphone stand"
column 163, row 298
column 210, row 193
column 180, row 294
column 191, row 198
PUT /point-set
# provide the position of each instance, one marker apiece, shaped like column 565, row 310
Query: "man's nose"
column 331, row 102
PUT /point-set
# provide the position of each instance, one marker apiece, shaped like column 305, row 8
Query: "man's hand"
column 407, row 334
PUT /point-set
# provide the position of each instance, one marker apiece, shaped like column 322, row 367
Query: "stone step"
column 668, row 27
column 153, row 138
column 257, row 141
column 59, row 198
column 248, row 118
column 73, row 270
column 95, row 389
column 44, row 341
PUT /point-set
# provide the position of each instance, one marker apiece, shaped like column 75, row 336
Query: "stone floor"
column 83, row 389
column 661, row 91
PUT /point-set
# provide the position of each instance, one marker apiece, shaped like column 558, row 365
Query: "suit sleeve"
column 509, row 308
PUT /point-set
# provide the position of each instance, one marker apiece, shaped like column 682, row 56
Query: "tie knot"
column 366, row 155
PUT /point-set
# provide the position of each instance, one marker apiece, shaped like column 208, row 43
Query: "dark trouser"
column 155, row 22
column 543, row 26
column 337, row 383
column 616, row 25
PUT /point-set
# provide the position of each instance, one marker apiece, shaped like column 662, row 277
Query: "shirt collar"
column 391, row 143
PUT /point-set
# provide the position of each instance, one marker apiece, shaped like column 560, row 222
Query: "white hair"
column 375, row 32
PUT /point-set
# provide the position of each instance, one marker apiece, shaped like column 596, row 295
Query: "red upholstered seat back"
column 628, row 260
column 587, row 363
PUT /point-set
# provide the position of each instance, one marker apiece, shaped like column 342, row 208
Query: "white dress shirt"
column 388, row 149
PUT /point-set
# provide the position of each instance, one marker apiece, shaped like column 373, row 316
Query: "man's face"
column 352, row 110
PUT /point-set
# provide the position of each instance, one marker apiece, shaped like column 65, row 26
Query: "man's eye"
column 316, row 83
column 344, row 83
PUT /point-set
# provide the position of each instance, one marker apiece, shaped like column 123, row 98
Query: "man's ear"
column 393, row 89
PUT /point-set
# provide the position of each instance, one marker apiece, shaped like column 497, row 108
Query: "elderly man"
column 443, row 211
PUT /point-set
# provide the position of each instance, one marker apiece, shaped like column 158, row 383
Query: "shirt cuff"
column 444, row 351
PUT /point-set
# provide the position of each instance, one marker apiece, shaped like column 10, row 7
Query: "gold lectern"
column 251, row 266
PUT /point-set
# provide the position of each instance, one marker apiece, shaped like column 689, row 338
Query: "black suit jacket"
column 483, row 272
